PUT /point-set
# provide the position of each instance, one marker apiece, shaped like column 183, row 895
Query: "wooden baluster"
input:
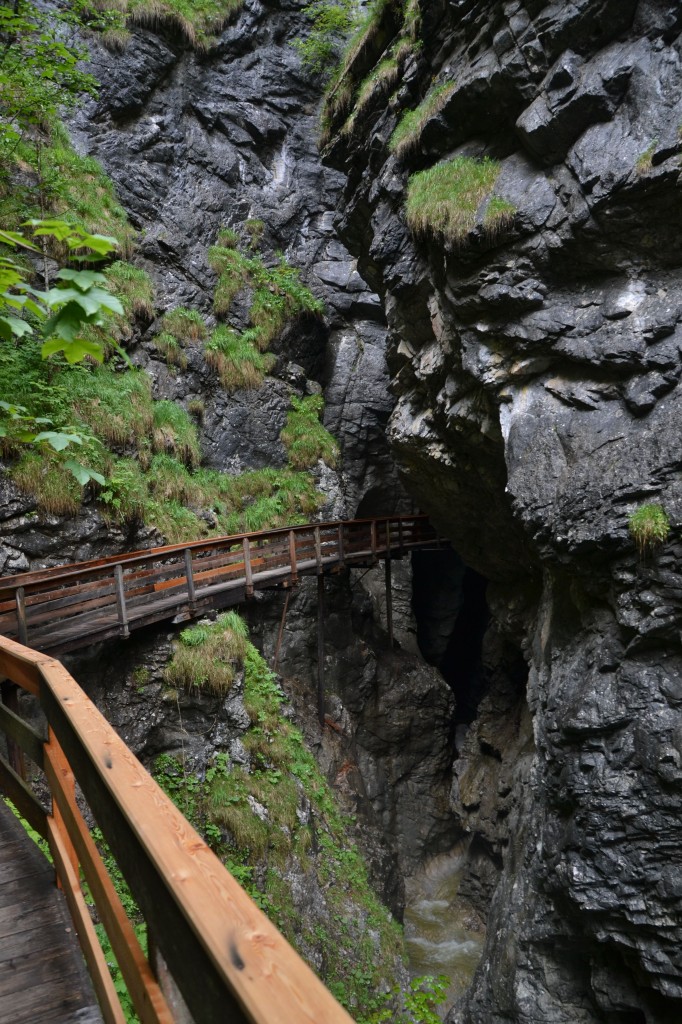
column 15, row 755
column 373, row 535
column 121, row 602
column 57, row 758
column 318, row 551
column 20, row 600
column 401, row 542
column 247, row 567
column 388, row 538
column 341, row 552
column 292, row 557
column 191, row 590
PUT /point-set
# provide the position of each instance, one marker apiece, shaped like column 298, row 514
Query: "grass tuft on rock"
column 206, row 658
column 444, row 199
column 649, row 527
column 304, row 437
column 407, row 134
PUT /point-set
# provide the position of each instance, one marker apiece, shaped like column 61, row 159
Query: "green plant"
column 445, row 199
column 205, row 657
column 499, row 214
column 197, row 20
column 254, row 229
column 644, row 161
column 237, row 359
column 175, row 433
column 133, row 287
column 304, row 437
column 227, row 238
column 184, row 324
column 330, row 20
column 197, row 408
column 649, row 527
column 407, row 133
column 171, row 349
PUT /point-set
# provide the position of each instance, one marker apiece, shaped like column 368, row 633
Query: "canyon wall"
column 535, row 359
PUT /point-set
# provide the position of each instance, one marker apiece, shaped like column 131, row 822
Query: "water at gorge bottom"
column 437, row 937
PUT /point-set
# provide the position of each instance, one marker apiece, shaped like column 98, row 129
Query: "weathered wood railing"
column 63, row 608
column 227, row 960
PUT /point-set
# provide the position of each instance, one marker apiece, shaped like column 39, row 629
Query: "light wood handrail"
column 227, row 959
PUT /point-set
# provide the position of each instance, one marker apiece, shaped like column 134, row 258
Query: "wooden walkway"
column 42, row 974
column 71, row 606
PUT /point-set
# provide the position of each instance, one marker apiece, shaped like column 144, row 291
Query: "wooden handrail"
column 68, row 607
column 227, row 959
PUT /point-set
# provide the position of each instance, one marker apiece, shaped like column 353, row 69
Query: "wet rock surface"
column 537, row 370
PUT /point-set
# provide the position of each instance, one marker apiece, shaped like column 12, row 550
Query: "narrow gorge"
column 439, row 273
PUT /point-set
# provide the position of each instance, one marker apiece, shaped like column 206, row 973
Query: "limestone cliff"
column 535, row 357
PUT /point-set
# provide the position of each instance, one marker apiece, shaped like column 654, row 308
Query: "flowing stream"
column 438, row 941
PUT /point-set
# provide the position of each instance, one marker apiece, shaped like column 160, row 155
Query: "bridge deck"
column 42, row 975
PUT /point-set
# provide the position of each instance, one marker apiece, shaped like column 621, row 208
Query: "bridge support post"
column 389, row 599
column 191, row 590
column 320, row 649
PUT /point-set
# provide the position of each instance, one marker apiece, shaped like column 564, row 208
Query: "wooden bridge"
column 212, row 955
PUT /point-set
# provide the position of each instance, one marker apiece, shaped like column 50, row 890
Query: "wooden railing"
column 227, row 960
column 67, row 607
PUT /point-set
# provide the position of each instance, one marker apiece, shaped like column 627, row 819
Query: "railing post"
column 341, row 555
column 401, row 542
column 189, row 574
column 121, row 602
column 373, row 539
column 318, row 551
column 320, row 649
column 389, row 598
column 15, row 755
column 247, row 567
column 62, row 768
column 292, row 557
column 20, row 599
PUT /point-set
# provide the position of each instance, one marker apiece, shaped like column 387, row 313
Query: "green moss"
column 444, row 199
column 649, row 527
column 304, row 437
column 407, row 133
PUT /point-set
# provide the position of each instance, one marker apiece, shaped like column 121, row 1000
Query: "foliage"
column 175, row 433
column 41, row 71
column 407, row 133
column 331, row 21
column 644, row 162
column 304, row 437
column 133, row 287
column 237, row 359
column 445, row 199
column 184, row 324
column 205, row 657
column 277, row 297
column 197, row 20
column 649, row 527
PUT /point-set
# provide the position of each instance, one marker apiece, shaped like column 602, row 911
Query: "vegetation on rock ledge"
column 445, row 199
column 649, row 527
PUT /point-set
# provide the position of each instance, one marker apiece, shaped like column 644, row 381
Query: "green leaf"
column 74, row 351
column 57, row 440
column 15, row 326
column 83, row 474
column 83, row 279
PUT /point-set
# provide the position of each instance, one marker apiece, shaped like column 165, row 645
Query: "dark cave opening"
column 449, row 604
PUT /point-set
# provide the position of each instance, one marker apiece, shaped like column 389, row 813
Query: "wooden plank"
column 22, row 797
column 85, row 929
column 27, row 738
column 144, row 990
column 231, row 964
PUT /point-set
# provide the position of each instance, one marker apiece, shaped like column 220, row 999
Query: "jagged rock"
column 536, row 372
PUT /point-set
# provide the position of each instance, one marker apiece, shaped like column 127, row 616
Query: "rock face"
column 536, row 369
